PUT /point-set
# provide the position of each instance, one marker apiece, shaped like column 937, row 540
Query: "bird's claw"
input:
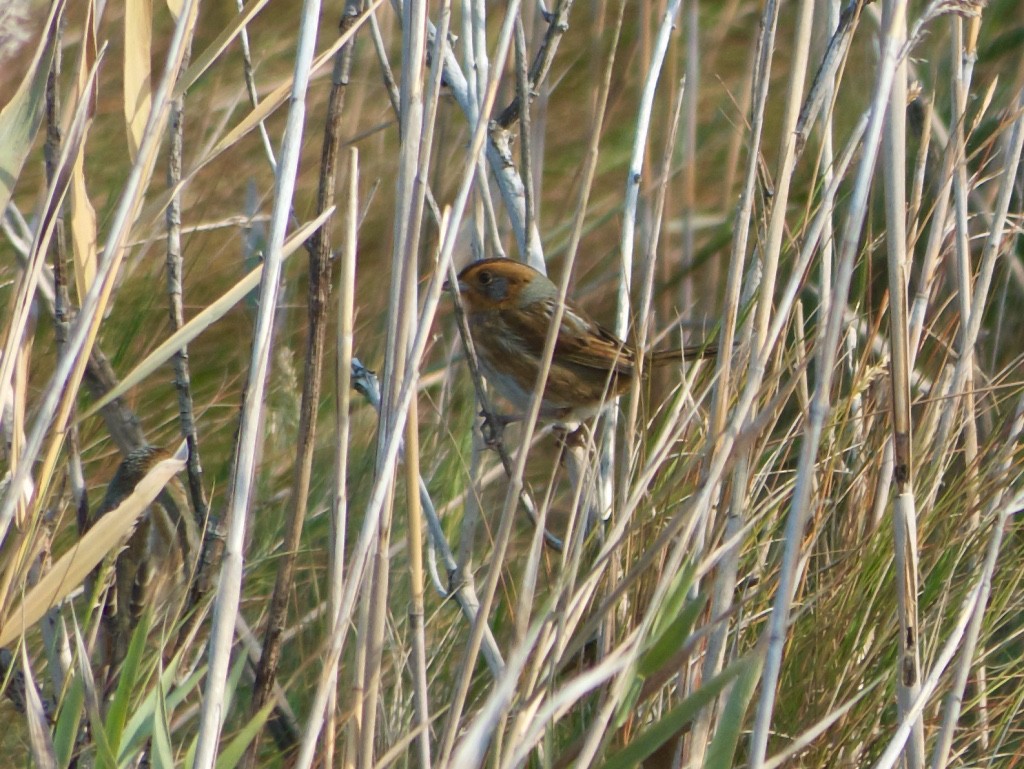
column 493, row 428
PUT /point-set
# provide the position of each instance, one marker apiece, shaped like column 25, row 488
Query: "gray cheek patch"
column 498, row 290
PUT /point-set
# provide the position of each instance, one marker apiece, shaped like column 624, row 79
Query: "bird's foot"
column 493, row 427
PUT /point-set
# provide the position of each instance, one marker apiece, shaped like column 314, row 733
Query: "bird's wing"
column 580, row 341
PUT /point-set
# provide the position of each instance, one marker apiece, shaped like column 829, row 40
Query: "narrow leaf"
column 138, row 91
column 672, row 722
column 20, row 117
column 127, row 683
column 162, row 753
column 65, row 731
column 38, row 730
column 730, row 721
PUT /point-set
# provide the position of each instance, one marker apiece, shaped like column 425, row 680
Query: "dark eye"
column 485, row 278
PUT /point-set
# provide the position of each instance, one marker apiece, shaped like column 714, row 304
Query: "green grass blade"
column 127, row 683
column 672, row 722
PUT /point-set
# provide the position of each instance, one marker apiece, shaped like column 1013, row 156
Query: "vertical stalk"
column 416, row 609
column 820, row 402
column 342, row 429
column 894, row 166
column 317, row 302
column 401, row 319
column 230, row 583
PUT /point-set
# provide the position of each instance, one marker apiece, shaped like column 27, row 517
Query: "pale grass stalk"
column 963, row 55
column 523, row 94
column 462, row 590
column 479, row 64
column 565, row 695
column 409, row 389
column 414, row 484
column 634, row 170
column 474, row 21
column 400, row 328
column 644, row 311
column 354, row 706
column 226, row 604
column 978, row 301
column 691, row 97
column 904, row 518
column 792, row 751
column 772, row 241
column 915, row 217
column 722, row 393
column 63, row 384
column 966, row 615
column 342, row 428
column 819, row 411
column 475, row 87
column 472, row 748
column 999, row 514
column 416, row 610
column 828, row 251
column 318, row 294
column 413, row 481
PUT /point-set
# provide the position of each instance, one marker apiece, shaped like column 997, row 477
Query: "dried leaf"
column 138, row 92
column 20, row 117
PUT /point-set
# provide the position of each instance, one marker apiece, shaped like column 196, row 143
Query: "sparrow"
column 510, row 307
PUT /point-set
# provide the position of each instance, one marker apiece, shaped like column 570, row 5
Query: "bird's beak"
column 447, row 286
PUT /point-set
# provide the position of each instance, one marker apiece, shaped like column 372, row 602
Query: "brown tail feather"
column 690, row 352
